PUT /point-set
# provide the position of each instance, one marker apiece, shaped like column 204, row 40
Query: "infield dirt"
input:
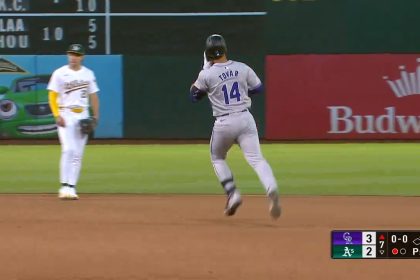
column 114, row 237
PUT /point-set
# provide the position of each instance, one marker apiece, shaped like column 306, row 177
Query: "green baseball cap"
column 77, row 49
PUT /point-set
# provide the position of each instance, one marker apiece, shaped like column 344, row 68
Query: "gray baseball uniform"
column 228, row 86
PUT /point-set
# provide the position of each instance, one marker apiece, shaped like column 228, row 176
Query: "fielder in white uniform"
column 228, row 85
column 72, row 89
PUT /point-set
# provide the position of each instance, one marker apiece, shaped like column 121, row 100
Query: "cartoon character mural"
column 24, row 109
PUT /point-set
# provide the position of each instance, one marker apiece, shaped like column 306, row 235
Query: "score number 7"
column 382, row 242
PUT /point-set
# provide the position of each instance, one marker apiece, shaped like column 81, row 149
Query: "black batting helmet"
column 215, row 47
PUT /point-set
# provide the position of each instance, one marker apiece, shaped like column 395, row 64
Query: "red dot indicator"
column 394, row 251
column 382, row 237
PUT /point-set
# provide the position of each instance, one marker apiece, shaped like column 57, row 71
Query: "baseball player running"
column 228, row 85
column 72, row 88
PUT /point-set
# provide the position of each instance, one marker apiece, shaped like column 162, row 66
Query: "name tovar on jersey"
column 227, row 85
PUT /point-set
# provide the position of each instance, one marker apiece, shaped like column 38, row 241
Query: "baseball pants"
column 239, row 128
column 73, row 142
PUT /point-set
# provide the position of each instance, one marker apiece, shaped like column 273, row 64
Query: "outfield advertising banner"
column 24, row 109
column 343, row 97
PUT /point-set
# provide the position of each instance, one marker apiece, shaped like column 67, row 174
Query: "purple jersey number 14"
column 234, row 93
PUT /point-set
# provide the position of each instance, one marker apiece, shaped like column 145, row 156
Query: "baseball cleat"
column 67, row 193
column 62, row 192
column 232, row 204
column 70, row 197
column 275, row 209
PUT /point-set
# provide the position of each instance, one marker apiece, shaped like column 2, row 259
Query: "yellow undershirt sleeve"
column 52, row 100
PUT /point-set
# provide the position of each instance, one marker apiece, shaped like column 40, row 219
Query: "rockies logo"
column 347, row 237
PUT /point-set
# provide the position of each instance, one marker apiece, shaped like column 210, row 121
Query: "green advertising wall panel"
column 163, row 55
column 157, row 103
column 181, row 27
column 342, row 26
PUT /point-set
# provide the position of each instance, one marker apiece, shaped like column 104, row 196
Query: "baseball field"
column 156, row 212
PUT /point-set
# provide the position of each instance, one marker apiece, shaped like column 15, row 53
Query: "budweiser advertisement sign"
column 343, row 96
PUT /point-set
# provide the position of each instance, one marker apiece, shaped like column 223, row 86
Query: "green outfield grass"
column 321, row 169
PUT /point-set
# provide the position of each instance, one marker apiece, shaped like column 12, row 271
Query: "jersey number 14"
column 232, row 94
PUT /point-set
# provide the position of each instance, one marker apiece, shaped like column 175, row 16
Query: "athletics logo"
column 348, row 252
column 408, row 84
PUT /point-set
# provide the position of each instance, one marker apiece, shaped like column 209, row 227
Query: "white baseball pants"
column 73, row 142
column 240, row 128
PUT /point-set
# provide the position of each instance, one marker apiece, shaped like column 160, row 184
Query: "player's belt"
column 224, row 115
column 74, row 109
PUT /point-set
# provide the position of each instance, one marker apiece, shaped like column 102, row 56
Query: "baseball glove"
column 87, row 125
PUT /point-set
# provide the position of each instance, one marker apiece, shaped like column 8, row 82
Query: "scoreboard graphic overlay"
column 368, row 244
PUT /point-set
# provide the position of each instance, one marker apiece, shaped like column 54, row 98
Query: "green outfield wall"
column 342, row 26
column 162, row 42
column 161, row 63
column 157, row 103
column 164, row 54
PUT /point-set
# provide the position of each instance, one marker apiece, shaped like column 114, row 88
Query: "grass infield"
column 304, row 169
